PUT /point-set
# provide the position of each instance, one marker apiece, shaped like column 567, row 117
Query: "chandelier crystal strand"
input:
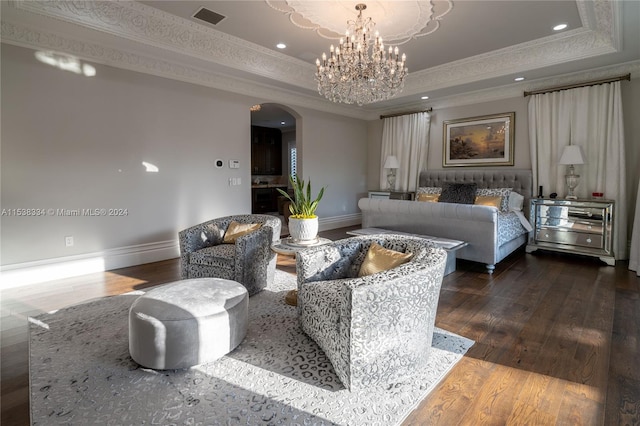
column 359, row 70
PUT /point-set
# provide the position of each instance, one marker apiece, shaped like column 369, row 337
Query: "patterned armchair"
column 376, row 330
column 250, row 261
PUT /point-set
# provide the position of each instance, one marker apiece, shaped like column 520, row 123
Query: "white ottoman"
column 188, row 322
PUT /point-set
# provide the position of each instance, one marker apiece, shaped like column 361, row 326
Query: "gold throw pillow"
column 237, row 230
column 381, row 259
column 489, row 200
column 432, row 198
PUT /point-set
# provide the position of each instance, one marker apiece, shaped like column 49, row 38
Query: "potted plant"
column 303, row 222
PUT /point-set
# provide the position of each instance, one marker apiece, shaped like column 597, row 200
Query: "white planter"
column 303, row 229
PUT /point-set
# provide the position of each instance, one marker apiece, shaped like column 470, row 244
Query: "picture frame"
column 479, row 141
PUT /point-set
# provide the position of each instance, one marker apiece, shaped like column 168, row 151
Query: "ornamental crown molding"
column 150, row 26
column 417, row 18
column 516, row 90
column 599, row 35
column 33, row 38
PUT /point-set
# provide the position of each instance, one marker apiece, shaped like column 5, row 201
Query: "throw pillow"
column 428, row 190
column 433, row 198
column 516, row 201
column 488, row 200
column 211, row 235
column 236, row 230
column 380, row 259
column 502, row 192
column 458, row 193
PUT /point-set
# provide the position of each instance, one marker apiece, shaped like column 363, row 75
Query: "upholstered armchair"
column 249, row 260
column 376, row 330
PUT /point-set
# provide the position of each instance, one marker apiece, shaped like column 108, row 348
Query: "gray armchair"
column 376, row 330
column 250, row 261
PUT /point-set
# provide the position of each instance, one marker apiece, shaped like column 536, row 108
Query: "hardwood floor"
column 557, row 339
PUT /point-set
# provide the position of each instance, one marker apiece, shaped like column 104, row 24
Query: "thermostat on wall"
column 219, row 163
column 234, row 164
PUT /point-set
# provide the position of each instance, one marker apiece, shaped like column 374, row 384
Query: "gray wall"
column 438, row 116
column 72, row 142
column 334, row 152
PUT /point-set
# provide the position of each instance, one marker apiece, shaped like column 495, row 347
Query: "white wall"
column 72, row 142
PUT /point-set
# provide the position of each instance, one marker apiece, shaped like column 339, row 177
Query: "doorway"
column 274, row 156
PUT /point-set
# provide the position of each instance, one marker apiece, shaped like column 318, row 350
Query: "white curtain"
column 592, row 118
column 406, row 137
column 634, row 255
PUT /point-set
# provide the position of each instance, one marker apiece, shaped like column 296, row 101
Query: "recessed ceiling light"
column 283, row 123
column 519, row 78
column 424, row 97
column 281, row 46
column 559, row 27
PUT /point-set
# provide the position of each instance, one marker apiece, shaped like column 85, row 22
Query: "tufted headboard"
column 520, row 180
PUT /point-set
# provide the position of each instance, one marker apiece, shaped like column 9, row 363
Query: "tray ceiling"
column 478, row 45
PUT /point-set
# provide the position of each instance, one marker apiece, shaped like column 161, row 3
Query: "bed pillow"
column 458, row 193
column 380, row 259
column 516, row 201
column 428, row 190
column 497, row 192
column 432, row 198
column 488, row 200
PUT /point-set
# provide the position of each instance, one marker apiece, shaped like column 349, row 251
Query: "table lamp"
column 391, row 163
column 572, row 154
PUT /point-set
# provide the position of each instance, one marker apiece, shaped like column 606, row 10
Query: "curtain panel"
column 592, row 118
column 634, row 254
column 406, row 137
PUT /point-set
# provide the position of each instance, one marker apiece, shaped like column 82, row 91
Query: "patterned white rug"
column 81, row 373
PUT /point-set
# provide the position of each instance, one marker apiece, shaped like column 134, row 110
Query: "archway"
column 276, row 153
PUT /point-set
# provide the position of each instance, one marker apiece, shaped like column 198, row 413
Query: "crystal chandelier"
column 354, row 73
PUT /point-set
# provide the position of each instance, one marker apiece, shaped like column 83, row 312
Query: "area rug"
column 81, row 373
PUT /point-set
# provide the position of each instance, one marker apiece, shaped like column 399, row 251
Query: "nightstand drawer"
column 572, row 213
column 572, row 225
column 570, row 238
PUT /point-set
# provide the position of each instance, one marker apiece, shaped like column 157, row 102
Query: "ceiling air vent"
column 209, row 16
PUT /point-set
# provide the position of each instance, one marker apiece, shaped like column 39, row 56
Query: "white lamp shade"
column 572, row 154
column 391, row 162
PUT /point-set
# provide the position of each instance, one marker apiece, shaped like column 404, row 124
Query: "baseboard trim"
column 328, row 223
column 21, row 274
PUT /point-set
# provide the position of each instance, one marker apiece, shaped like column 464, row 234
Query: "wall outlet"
column 68, row 241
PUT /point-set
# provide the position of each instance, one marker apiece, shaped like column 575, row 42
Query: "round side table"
column 288, row 247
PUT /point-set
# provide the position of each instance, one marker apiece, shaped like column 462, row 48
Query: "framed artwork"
column 479, row 141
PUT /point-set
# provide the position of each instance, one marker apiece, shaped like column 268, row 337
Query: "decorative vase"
column 303, row 230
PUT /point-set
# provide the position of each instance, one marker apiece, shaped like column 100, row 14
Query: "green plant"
column 302, row 206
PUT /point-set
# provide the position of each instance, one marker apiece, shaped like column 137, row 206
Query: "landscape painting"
column 479, row 141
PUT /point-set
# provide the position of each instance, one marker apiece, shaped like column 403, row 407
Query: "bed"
column 492, row 232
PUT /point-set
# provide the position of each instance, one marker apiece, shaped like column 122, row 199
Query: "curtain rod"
column 575, row 86
column 405, row 113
